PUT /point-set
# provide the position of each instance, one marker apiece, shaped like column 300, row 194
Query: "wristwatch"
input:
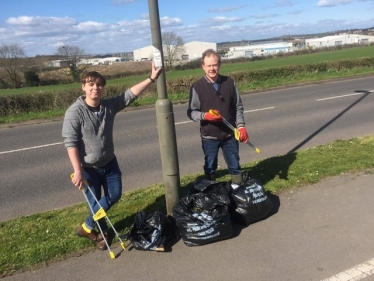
column 152, row 80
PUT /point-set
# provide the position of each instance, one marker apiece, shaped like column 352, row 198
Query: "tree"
column 173, row 47
column 10, row 56
column 31, row 79
column 72, row 56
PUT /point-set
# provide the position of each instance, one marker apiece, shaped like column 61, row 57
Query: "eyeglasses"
column 220, row 96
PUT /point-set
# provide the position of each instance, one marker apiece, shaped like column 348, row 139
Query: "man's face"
column 211, row 67
column 93, row 90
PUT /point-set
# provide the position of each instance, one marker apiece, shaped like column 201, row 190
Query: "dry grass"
column 119, row 67
column 106, row 70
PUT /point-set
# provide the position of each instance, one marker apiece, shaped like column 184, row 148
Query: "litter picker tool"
column 99, row 215
column 235, row 130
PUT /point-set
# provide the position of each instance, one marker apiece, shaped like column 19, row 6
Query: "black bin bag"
column 150, row 231
column 203, row 216
column 249, row 202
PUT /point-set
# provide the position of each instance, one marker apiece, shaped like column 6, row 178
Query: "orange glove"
column 243, row 137
column 213, row 116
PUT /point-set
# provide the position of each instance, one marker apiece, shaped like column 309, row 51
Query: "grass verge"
column 33, row 241
column 226, row 69
column 244, row 88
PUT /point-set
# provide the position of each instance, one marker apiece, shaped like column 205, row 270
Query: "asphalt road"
column 35, row 169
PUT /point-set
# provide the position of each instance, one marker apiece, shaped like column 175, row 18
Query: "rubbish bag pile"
column 150, row 231
column 249, row 202
column 205, row 215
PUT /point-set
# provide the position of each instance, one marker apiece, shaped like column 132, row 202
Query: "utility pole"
column 165, row 119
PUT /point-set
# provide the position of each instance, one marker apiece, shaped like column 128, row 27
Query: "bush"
column 31, row 79
column 15, row 104
column 3, row 85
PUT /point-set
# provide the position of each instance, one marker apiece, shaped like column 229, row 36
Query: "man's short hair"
column 93, row 76
column 208, row 53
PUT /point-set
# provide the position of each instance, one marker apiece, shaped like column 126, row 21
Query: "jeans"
column 109, row 177
column 230, row 150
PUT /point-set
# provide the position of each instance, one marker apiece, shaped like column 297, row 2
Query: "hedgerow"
column 44, row 101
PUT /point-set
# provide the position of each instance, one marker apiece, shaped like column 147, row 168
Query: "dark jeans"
column 109, row 178
column 230, row 151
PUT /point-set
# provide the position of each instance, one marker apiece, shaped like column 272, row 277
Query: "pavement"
column 322, row 231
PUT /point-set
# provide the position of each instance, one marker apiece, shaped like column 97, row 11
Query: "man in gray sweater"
column 88, row 136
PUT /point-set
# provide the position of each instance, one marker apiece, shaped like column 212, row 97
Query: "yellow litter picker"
column 235, row 130
column 99, row 215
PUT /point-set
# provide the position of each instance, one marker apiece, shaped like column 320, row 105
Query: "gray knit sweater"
column 92, row 134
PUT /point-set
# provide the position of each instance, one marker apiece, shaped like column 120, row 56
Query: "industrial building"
column 193, row 50
column 338, row 40
column 55, row 63
column 91, row 61
column 101, row 61
column 258, row 49
column 264, row 49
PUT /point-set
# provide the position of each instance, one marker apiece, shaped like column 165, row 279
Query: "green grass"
column 33, row 241
column 226, row 69
column 37, row 240
column 327, row 56
column 244, row 88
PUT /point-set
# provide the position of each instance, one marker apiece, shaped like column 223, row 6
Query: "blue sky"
column 108, row 26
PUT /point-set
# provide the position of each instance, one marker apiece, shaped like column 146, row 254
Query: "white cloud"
column 265, row 16
column 332, row 3
column 39, row 21
column 226, row 9
column 26, row 27
column 43, row 35
column 90, row 27
column 280, row 3
column 167, row 22
column 221, row 28
column 218, row 20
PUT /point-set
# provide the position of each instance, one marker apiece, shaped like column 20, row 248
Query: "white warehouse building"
column 101, row 61
column 338, row 40
column 145, row 53
column 263, row 49
column 193, row 50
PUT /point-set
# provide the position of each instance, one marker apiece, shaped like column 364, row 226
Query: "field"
column 227, row 68
column 18, row 254
column 48, row 102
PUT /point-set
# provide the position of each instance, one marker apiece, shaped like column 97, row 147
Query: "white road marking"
column 184, row 122
column 259, row 109
column 343, row 96
column 29, row 148
column 355, row 273
column 58, row 143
